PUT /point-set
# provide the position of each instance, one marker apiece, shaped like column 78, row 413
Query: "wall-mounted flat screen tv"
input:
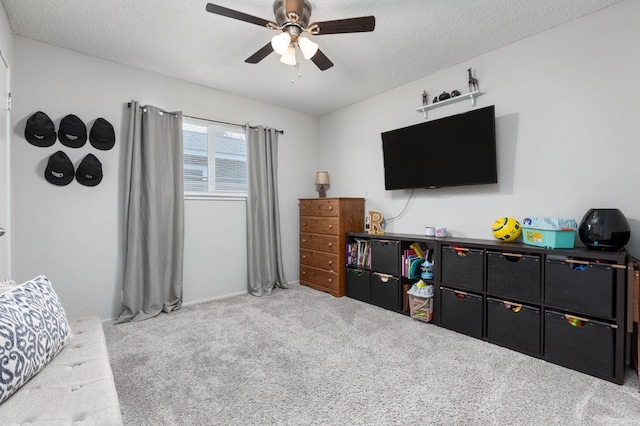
column 451, row 151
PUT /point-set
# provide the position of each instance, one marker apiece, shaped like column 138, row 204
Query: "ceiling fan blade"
column 230, row 13
column 340, row 26
column 321, row 60
column 260, row 54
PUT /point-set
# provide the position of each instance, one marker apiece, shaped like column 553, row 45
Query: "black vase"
column 604, row 229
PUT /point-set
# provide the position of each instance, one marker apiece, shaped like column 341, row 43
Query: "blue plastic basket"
column 550, row 239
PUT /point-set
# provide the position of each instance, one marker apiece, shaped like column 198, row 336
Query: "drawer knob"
column 304, row 273
column 304, row 240
column 304, row 207
column 330, row 280
column 330, row 208
column 304, row 223
column 304, row 256
column 330, row 244
column 331, row 263
column 331, row 226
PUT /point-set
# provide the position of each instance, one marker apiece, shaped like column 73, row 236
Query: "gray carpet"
column 302, row 357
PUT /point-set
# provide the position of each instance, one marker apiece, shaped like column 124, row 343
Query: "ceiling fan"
column 292, row 19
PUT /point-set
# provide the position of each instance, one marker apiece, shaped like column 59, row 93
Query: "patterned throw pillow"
column 33, row 330
column 7, row 285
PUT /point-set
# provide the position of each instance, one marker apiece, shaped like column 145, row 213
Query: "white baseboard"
column 225, row 296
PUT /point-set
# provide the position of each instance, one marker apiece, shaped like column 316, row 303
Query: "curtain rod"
column 226, row 122
column 221, row 122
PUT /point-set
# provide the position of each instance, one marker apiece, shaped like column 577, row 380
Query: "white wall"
column 71, row 233
column 568, row 123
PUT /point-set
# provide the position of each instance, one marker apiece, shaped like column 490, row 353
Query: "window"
column 215, row 159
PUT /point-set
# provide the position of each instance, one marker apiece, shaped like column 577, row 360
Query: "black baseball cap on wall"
column 59, row 170
column 72, row 131
column 89, row 171
column 40, row 130
column 102, row 136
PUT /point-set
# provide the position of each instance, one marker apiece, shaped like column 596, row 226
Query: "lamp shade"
column 280, row 43
column 308, row 47
column 322, row 178
column 289, row 57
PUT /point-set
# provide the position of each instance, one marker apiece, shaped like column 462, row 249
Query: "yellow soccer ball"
column 506, row 229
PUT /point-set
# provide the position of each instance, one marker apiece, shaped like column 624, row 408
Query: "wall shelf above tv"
column 471, row 96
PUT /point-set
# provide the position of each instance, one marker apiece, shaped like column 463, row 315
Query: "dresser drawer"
column 319, row 277
column 319, row 207
column 326, row 243
column 322, row 260
column 320, row 225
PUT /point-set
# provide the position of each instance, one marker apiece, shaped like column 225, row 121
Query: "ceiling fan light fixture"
column 281, row 42
column 292, row 19
column 289, row 57
column 308, row 47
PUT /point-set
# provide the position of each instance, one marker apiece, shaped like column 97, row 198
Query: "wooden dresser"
column 324, row 223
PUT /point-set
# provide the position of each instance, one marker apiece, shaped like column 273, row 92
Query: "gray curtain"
column 153, row 213
column 264, row 252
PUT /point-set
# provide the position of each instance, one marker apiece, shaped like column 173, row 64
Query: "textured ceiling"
column 178, row 38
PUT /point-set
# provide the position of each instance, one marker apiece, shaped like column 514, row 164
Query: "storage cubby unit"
column 380, row 278
column 566, row 306
column 529, row 292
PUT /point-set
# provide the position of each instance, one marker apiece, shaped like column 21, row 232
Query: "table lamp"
column 322, row 180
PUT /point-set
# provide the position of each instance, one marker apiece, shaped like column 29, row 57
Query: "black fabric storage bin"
column 588, row 348
column 581, row 288
column 514, row 276
column 385, row 291
column 513, row 326
column 358, row 284
column 463, row 268
column 461, row 312
column 385, row 256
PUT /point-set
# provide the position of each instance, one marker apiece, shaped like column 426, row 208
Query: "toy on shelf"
column 375, row 223
column 506, row 229
column 473, row 82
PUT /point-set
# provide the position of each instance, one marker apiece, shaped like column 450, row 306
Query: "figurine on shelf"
column 425, row 98
column 427, row 270
column 473, row 82
column 455, row 93
column 443, row 96
column 435, row 99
